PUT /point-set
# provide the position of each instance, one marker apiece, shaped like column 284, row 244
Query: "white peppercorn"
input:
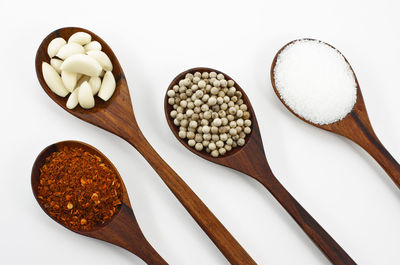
column 215, row 153
column 219, row 143
column 212, row 101
column 207, row 136
column 184, row 123
column 223, row 137
column 198, row 138
column 173, row 114
column 202, row 84
column 222, row 151
column 182, row 134
column 204, row 107
column 198, row 147
column 171, row 93
column 207, row 115
column 232, row 131
column 206, row 129
column 193, row 124
column 191, row 142
column 212, row 146
column 214, row 90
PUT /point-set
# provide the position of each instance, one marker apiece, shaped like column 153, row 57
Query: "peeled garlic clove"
column 93, row 46
column 72, row 101
column 83, row 64
column 81, row 38
column 95, row 83
column 70, row 49
column 107, row 86
column 69, row 79
column 54, row 46
column 85, row 96
column 53, row 80
column 83, row 79
column 102, row 58
column 56, row 63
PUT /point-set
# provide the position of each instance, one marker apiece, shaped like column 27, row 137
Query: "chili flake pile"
column 78, row 189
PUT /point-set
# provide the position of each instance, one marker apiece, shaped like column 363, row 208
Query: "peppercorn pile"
column 209, row 112
column 78, row 189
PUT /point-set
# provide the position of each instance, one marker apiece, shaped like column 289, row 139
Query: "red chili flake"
column 78, row 189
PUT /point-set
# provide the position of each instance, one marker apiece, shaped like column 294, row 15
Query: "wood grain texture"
column 117, row 116
column 354, row 126
column 250, row 159
column 123, row 229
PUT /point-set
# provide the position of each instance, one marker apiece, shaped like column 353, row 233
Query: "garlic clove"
column 85, row 96
column 81, row 38
column 102, row 58
column 83, row 64
column 53, row 80
column 69, row 79
column 93, row 46
column 72, row 101
column 70, row 49
column 95, row 83
column 54, row 46
column 107, row 86
column 82, row 79
column 56, row 63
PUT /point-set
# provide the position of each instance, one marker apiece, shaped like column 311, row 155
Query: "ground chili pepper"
column 78, row 189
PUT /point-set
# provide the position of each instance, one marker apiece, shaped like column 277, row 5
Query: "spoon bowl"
column 117, row 116
column 122, row 229
column 225, row 159
column 355, row 126
column 250, row 159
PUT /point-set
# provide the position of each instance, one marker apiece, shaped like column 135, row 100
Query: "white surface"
column 336, row 181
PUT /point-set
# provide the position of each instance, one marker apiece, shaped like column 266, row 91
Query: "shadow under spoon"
column 250, row 159
column 116, row 116
column 354, row 126
column 122, row 230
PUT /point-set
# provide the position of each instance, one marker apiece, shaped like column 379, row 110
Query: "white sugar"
column 315, row 81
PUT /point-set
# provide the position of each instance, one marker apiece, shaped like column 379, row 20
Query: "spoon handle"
column 332, row 250
column 368, row 140
column 124, row 231
column 215, row 230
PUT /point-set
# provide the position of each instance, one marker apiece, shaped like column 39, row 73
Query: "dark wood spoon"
column 354, row 126
column 250, row 159
column 122, row 230
column 117, row 116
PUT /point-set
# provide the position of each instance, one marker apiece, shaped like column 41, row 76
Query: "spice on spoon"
column 315, row 81
column 210, row 112
column 79, row 67
column 78, row 189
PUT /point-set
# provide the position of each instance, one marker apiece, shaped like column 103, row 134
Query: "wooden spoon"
column 250, row 159
column 354, row 126
column 122, row 230
column 117, row 116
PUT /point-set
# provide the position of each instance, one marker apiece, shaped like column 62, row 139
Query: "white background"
column 336, row 181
